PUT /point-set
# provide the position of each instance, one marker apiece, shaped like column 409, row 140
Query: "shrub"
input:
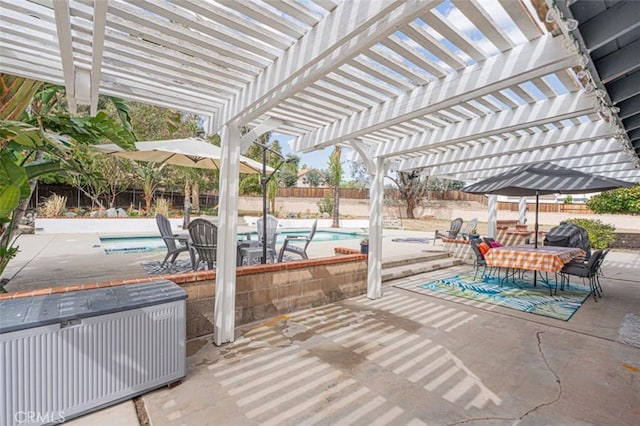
column 621, row 201
column 162, row 206
column 600, row 234
column 326, row 205
column 54, row 206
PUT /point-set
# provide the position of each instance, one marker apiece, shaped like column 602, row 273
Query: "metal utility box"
column 63, row 355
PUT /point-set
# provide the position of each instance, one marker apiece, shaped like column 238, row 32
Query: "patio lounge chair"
column 204, row 240
column 289, row 245
column 272, row 234
column 175, row 244
column 468, row 228
column 453, row 231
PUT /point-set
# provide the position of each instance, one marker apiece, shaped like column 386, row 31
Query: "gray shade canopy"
column 544, row 178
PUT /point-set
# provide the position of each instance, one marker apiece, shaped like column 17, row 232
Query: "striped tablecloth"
column 543, row 258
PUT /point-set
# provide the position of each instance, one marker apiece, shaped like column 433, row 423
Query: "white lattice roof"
column 460, row 88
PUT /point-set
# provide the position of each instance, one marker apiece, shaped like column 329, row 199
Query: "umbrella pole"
column 264, row 205
column 535, row 238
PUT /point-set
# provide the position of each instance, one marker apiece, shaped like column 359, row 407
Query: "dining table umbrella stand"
column 543, row 178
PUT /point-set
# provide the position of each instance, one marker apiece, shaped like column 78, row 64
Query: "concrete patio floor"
column 410, row 358
column 407, row 358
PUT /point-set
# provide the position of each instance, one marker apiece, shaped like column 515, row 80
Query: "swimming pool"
column 137, row 244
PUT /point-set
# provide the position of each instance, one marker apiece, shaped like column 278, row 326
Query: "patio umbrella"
column 543, row 178
column 187, row 152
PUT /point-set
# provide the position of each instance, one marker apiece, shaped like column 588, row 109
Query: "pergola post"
column 522, row 211
column 225, row 300
column 376, row 193
column 493, row 216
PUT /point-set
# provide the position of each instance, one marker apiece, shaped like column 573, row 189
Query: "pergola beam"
column 535, row 59
column 582, row 133
column 611, row 24
column 65, row 44
column 560, row 108
column 99, row 27
column 348, row 30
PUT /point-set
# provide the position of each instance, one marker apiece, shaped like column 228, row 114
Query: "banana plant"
column 37, row 136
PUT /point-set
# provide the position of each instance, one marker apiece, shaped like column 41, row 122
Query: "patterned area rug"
column 520, row 295
column 180, row 266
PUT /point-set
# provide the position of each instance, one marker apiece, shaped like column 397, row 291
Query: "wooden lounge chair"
column 453, row 231
column 289, row 245
column 468, row 228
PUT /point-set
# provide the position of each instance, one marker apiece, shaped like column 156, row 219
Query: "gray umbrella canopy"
column 544, row 178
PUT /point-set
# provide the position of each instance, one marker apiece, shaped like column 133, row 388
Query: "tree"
column 149, row 176
column 38, row 136
column 360, row 175
column 412, row 189
column 334, row 177
column 315, row 178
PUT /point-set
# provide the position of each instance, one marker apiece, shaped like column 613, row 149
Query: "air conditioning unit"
column 66, row 354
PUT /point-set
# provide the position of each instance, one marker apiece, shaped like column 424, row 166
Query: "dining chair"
column 272, row 234
column 204, row 240
column 587, row 270
column 289, row 246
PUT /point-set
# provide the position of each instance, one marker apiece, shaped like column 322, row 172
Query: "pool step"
column 394, row 269
column 393, row 262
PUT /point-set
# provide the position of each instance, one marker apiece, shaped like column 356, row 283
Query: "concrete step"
column 417, row 258
column 411, row 269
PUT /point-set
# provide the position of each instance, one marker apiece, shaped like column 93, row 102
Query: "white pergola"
column 462, row 89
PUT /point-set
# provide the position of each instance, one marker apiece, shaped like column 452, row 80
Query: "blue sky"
column 316, row 159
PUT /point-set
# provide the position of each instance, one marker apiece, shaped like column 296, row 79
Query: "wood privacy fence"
column 363, row 194
column 547, row 207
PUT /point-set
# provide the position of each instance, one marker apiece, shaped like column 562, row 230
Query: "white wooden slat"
column 163, row 30
column 160, row 38
column 418, row 58
column 436, row 21
column 266, row 17
column 544, row 87
column 327, row 5
column 520, row 16
column 295, row 10
column 294, row 117
column 522, row 93
column 418, row 34
column 223, row 16
column 363, row 64
column 479, row 80
column 485, row 103
column 209, row 30
column 504, row 99
column 568, row 81
column 164, row 102
column 327, row 95
column 353, row 27
column 366, row 80
column 322, row 114
column 348, row 85
column 473, row 109
column 308, row 99
column 460, row 112
column 481, row 19
column 561, row 107
column 406, row 71
column 353, row 98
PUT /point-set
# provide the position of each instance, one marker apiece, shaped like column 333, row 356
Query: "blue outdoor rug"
column 520, row 295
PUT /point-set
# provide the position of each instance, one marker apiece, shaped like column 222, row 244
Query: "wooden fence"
column 547, row 207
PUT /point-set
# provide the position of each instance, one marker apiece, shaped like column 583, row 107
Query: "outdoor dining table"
column 528, row 257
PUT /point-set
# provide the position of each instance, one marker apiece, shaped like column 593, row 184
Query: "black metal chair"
column 454, row 229
column 288, row 245
column 585, row 270
column 479, row 260
column 204, row 240
column 175, row 244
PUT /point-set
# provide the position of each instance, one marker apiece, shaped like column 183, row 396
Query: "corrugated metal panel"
column 60, row 371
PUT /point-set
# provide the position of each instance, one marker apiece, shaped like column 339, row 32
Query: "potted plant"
column 364, row 246
column 474, row 234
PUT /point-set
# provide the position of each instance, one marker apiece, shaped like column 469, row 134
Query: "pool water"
column 137, row 244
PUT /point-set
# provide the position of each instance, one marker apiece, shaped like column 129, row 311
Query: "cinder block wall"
column 265, row 291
